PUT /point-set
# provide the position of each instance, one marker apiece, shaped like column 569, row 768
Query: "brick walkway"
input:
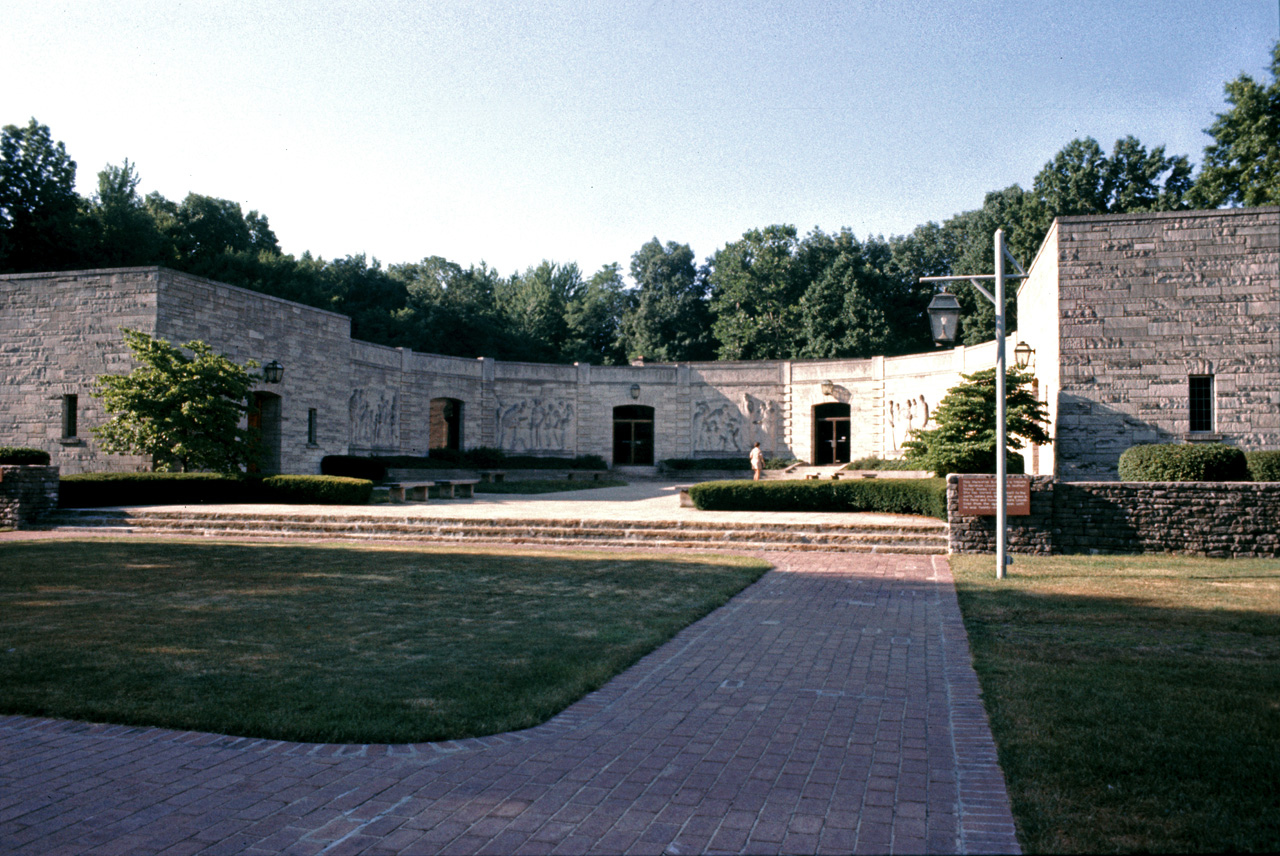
column 829, row 708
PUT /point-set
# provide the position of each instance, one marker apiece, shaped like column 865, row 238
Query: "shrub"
column 886, row 464
column 315, row 490
column 354, row 466
column 886, row 496
column 681, row 465
column 22, row 456
column 94, row 490
column 1264, row 466
column 1175, row 462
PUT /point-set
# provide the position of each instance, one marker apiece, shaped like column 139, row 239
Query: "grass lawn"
column 1135, row 701
column 333, row 643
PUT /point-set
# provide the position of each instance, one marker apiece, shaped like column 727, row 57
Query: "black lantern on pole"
column 272, row 372
column 944, row 318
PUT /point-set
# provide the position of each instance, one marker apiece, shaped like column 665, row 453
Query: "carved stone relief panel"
column 535, row 424
column 373, row 416
column 903, row 416
column 735, row 425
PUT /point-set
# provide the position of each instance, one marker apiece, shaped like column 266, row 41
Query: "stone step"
column 923, row 537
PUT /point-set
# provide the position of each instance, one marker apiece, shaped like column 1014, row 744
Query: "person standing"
column 757, row 462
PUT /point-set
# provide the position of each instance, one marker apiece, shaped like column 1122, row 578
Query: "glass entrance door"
column 831, row 426
column 633, row 435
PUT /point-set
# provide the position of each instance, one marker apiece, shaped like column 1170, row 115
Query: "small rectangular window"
column 70, row 404
column 311, row 427
column 1200, row 400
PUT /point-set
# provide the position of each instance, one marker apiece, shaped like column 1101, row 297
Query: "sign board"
column 978, row 495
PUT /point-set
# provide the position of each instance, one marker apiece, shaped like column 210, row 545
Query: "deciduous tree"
column 185, row 411
column 40, row 214
column 1242, row 164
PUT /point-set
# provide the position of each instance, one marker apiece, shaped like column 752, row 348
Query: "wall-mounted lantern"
column 272, row 372
column 828, row 388
column 635, row 390
column 1022, row 355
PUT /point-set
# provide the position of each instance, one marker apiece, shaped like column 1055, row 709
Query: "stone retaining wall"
column 1219, row 519
column 26, row 494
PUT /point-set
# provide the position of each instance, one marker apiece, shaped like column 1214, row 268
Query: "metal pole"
column 1001, row 413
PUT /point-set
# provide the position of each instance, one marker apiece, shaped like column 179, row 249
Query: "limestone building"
column 1141, row 326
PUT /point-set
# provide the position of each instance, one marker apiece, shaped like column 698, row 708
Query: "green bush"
column 886, row 464
column 1264, row 466
column 1170, row 462
column 681, row 465
column 22, row 456
column 315, row 490
column 886, row 496
column 354, row 466
column 94, row 490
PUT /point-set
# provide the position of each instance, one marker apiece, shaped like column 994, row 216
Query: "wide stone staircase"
column 917, row 535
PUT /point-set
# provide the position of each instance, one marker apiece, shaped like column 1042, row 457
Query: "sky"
column 513, row 132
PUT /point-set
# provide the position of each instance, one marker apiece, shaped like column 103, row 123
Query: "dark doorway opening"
column 446, row 423
column 264, row 418
column 831, row 434
column 633, row 435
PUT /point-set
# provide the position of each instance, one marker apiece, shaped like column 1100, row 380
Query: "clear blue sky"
column 575, row 131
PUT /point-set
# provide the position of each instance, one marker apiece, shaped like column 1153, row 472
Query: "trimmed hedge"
column 316, row 490
column 1264, row 466
column 886, row 464
column 1177, row 462
column 886, row 496
column 375, row 467
column 679, row 465
column 23, row 457
column 95, row 490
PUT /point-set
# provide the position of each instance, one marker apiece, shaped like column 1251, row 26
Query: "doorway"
column 633, row 435
column 831, row 427
column 445, row 424
column 264, row 420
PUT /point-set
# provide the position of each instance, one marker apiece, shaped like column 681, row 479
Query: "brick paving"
column 829, row 708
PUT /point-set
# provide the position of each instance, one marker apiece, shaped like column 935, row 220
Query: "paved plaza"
column 830, row 708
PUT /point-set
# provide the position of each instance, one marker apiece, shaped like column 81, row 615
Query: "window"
column 1200, row 399
column 311, row 427
column 70, row 404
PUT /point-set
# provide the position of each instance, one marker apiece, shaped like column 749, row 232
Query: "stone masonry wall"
column 1146, row 302
column 26, row 494
column 1218, row 519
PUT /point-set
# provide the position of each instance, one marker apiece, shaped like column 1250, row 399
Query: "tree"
column 668, row 319
column 1242, row 165
column 537, row 302
column 183, row 411
column 964, row 440
column 756, row 285
column 843, row 312
column 594, row 317
column 40, row 215
column 126, row 233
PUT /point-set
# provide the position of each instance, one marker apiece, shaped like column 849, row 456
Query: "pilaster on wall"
column 488, row 415
column 584, row 413
column 788, row 401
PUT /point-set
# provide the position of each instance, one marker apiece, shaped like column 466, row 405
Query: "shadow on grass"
column 333, row 643
column 1135, row 709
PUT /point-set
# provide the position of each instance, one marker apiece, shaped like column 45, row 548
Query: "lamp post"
column 944, row 318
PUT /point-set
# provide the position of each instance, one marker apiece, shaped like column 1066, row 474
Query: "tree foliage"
column 40, row 215
column 964, row 440
column 1242, row 164
column 667, row 317
column 185, row 412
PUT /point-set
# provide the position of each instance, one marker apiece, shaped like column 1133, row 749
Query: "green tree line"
column 772, row 294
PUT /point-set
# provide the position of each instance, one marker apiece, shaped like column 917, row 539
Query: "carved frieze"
column 373, row 415
column 905, row 416
column 535, row 424
column 724, row 425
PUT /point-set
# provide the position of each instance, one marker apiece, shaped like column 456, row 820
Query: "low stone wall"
column 1219, row 519
column 26, row 494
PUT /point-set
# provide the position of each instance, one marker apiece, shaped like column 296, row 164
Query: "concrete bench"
column 594, row 475
column 685, row 500
column 493, row 476
column 415, row 490
column 466, row 488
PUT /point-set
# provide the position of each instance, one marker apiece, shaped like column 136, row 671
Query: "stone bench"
column 595, row 475
column 414, row 490
column 467, row 488
column 493, row 476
